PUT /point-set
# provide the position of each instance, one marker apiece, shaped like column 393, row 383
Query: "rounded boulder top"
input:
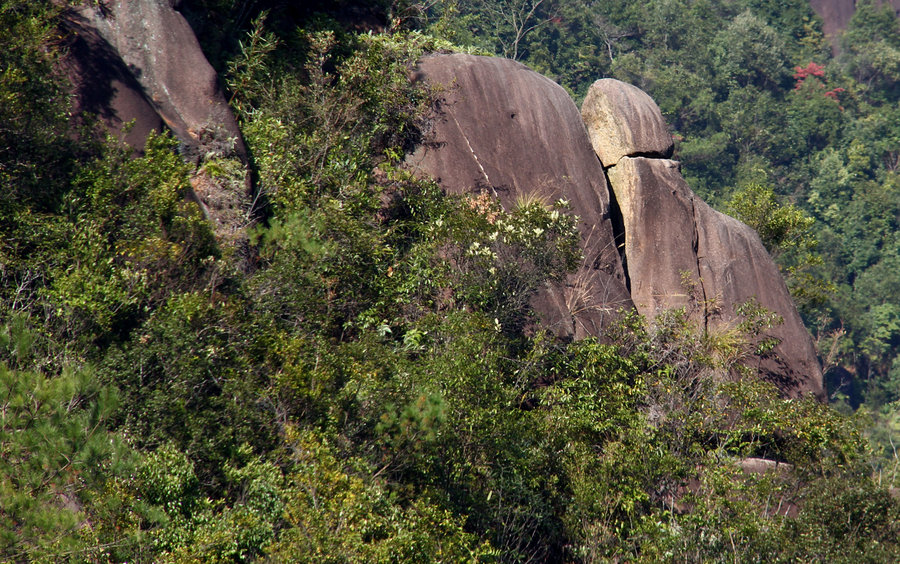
column 622, row 120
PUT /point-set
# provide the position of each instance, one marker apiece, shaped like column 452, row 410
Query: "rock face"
column 104, row 85
column 159, row 48
column 682, row 253
column 500, row 129
column 659, row 226
column 508, row 131
column 836, row 15
column 138, row 60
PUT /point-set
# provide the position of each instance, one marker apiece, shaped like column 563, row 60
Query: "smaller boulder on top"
column 623, row 120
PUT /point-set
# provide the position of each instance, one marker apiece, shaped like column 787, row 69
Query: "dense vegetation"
column 374, row 389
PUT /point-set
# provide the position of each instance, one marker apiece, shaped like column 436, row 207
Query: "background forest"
column 364, row 387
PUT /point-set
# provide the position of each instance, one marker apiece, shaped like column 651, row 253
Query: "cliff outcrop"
column 503, row 129
column 138, row 63
column 681, row 253
column 498, row 128
column 836, row 14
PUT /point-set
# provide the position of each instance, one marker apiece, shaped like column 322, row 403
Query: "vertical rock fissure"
column 696, row 249
column 680, row 251
column 474, row 156
column 618, row 226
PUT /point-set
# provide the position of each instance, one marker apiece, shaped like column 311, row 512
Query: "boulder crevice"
column 680, row 253
column 704, row 299
column 618, row 228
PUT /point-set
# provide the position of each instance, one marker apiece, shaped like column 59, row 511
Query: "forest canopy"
column 367, row 390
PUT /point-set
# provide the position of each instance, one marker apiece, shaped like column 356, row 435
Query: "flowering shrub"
column 818, row 73
column 504, row 257
column 812, row 69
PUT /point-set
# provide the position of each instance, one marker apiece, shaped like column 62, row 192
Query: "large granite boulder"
column 680, row 253
column 105, row 87
column 138, row 62
column 157, row 45
column 503, row 129
column 656, row 267
column 622, row 120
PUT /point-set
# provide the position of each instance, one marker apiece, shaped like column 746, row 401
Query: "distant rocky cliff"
column 836, row 15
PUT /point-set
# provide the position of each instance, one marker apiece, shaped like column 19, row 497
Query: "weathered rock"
column 622, row 120
column 139, row 61
column 158, row 46
column 506, row 130
column 679, row 252
column 755, row 465
column 105, row 87
column 659, row 230
column 785, row 504
column 682, row 253
column 835, row 16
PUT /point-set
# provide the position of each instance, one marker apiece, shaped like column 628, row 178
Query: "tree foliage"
column 376, row 388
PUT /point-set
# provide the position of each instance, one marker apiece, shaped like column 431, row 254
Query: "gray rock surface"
column 506, row 130
column 682, row 253
column 159, row 48
column 500, row 129
column 622, row 120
